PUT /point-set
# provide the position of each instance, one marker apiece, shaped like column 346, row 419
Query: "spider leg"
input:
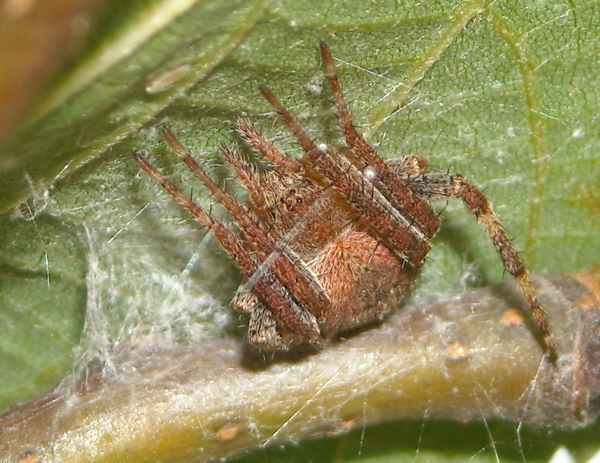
column 269, row 288
column 392, row 187
column 247, row 176
column 408, row 167
column 439, row 186
column 409, row 243
column 265, row 147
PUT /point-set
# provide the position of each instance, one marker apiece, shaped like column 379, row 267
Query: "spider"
column 336, row 239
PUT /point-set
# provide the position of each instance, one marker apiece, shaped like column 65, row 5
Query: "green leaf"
column 504, row 93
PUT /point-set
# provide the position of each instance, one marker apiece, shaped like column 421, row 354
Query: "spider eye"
column 292, row 191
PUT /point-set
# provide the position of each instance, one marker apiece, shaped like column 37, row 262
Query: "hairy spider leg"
column 266, row 148
column 439, row 186
column 287, row 313
column 247, row 176
column 392, row 187
column 387, row 222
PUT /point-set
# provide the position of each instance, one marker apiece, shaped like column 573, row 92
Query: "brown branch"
column 469, row 358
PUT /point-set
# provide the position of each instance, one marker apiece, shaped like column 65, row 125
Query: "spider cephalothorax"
column 336, row 239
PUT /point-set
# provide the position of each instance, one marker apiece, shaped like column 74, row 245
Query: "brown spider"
column 336, row 239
